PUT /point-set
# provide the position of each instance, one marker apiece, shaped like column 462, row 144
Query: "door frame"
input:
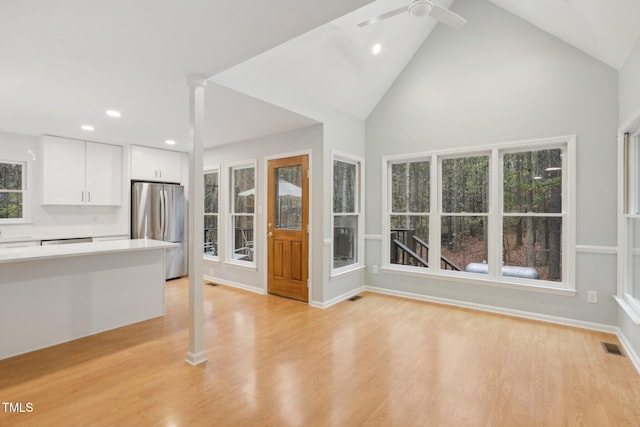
column 263, row 214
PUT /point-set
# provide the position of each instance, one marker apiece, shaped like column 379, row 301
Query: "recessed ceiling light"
column 113, row 113
column 376, row 49
column 170, row 142
column 87, row 128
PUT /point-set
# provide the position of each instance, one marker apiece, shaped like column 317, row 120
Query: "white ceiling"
column 334, row 64
column 64, row 62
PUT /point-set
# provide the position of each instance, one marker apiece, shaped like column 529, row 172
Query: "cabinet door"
column 104, row 174
column 144, row 163
column 63, row 170
column 170, row 166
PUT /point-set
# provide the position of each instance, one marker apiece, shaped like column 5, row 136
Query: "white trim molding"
column 336, row 300
column 594, row 249
column 233, row 284
column 629, row 351
column 612, row 329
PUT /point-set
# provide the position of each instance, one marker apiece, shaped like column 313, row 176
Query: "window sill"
column 633, row 314
column 466, row 278
column 210, row 258
column 243, row 265
column 15, row 221
column 339, row 274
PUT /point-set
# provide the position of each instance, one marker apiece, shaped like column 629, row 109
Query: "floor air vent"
column 612, row 348
column 355, row 298
column 212, row 284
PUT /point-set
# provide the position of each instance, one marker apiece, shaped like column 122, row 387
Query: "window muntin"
column 211, row 212
column 242, row 214
column 476, row 209
column 12, row 191
column 346, row 213
column 409, row 199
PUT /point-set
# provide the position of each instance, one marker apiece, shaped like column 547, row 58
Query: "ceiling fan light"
column 419, row 8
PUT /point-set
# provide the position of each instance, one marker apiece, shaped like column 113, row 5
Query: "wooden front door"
column 287, row 226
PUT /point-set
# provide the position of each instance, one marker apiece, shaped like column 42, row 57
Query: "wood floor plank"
column 380, row 360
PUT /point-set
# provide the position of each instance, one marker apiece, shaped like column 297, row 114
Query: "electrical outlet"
column 592, row 297
column 375, row 269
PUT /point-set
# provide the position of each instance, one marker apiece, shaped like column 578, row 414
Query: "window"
column 346, row 213
column 465, row 212
column 409, row 200
column 12, row 191
column 532, row 219
column 503, row 214
column 211, row 206
column 242, row 213
column 629, row 223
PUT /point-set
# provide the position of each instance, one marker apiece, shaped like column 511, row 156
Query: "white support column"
column 196, row 354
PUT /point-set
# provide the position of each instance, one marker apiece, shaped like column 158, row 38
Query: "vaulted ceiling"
column 64, row 62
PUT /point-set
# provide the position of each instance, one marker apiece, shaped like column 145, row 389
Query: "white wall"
column 341, row 131
column 629, row 94
column 309, row 138
column 58, row 221
column 630, row 85
column 501, row 79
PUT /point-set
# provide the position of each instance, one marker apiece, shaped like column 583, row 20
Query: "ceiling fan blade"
column 383, row 16
column 447, row 17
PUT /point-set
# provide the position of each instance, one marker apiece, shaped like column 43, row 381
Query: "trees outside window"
column 465, row 209
column 503, row 213
column 211, row 210
column 409, row 200
column 347, row 208
column 12, row 191
column 532, row 211
column 242, row 213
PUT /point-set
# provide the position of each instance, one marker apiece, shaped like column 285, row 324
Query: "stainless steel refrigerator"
column 158, row 212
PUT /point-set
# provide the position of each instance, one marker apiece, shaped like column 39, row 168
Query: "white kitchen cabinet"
column 80, row 172
column 151, row 164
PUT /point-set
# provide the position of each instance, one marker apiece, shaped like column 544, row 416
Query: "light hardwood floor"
column 376, row 361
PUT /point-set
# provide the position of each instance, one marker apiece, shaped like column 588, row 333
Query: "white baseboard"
column 612, row 329
column 339, row 298
column 234, row 284
column 629, row 351
column 195, row 359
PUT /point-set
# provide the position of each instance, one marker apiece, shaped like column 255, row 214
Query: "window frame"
column 388, row 209
column 210, row 170
column 494, row 216
column 24, row 191
column 231, row 214
column 358, row 162
column 628, row 213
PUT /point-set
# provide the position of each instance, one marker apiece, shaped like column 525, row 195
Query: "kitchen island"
column 53, row 294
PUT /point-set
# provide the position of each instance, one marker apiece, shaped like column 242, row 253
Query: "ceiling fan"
column 419, row 8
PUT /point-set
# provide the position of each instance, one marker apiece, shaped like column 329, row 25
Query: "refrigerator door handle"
column 162, row 216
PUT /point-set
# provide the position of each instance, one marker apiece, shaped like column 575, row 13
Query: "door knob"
column 269, row 234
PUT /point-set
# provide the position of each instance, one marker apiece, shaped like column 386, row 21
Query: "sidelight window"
column 347, row 218
column 242, row 213
column 211, row 210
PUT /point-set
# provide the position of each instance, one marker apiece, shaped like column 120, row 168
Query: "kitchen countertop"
column 14, row 239
column 78, row 249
